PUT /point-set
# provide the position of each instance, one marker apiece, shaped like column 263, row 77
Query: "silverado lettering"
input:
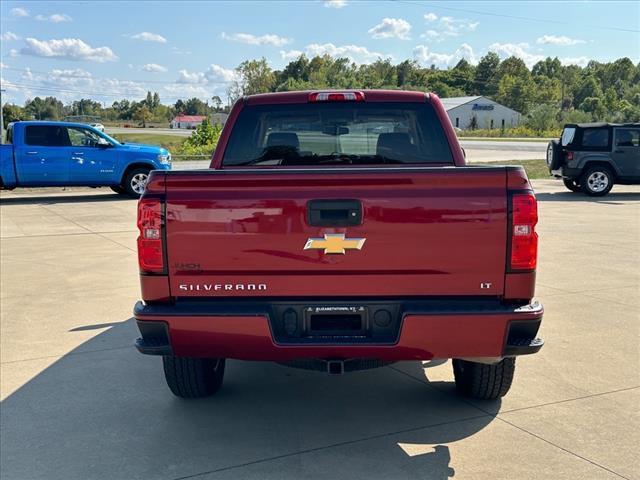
column 297, row 183
column 218, row 286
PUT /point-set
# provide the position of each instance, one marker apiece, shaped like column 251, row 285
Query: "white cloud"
column 558, row 40
column 3, row 65
column 66, row 83
column 187, row 77
column 9, row 36
column 215, row 74
column 519, row 50
column 54, row 18
column 580, row 61
column 154, row 67
column 13, row 53
column 424, row 56
column 391, row 28
column 291, row 54
column 249, row 39
column 68, row 49
column 447, row 27
column 354, row 53
column 19, row 12
column 149, row 37
column 178, row 51
column 335, row 3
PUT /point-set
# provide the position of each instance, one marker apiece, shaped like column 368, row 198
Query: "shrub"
column 201, row 143
column 521, row 131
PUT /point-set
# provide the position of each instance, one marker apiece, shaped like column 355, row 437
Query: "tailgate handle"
column 334, row 213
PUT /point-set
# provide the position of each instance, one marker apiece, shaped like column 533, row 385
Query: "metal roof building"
column 479, row 112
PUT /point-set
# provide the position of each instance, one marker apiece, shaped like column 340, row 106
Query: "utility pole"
column 1, row 118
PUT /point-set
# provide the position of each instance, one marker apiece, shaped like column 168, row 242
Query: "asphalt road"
column 150, row 131
column 78, row 402
column 476, row 150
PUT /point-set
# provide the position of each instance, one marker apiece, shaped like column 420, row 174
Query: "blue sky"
column 111, row 50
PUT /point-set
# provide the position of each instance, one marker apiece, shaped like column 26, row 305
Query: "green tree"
column 589, row 87
column 516, row 93
column 550, row 68
column 462, row 76
column 486, row 81
column 255, row 76
column 142, row 114
column 595, row 106
column 515, row 67
column 195, row 106
column 12, row 113
column 217, row 101
column 542, row 117
column 48, row 108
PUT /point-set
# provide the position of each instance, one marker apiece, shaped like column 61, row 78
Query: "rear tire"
column 554, row 155
column 572, row 185
column 597, row 181
column 482, row 381
column 193, row 377
column 135, row 182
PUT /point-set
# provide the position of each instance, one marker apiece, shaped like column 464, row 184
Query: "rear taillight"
column 524, row 239
column 569, row 156
column 336, row 97
column 150, row 224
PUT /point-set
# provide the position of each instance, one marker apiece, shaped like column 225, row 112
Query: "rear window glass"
column 567, row 136
column 347, row 133
column 595, row 137
column 47, row 136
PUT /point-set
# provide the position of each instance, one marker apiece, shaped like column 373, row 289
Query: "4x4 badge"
column 334, row 243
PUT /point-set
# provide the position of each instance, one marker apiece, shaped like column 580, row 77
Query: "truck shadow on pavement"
column 612, row 198
column 59, row 199
column 104, row 411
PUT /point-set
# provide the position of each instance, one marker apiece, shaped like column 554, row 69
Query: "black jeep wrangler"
column 591, row 157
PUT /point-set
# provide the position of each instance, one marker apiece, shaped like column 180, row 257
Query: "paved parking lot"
column 78, row 402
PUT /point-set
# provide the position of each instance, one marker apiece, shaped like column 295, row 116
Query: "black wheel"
column 135, row 181
column 193, row 377
column 572, row 185
column 596, row 181
column 118, row 189
column 554, row 155
column 486, row 382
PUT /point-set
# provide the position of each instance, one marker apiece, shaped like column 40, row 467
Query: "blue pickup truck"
column 57, row 154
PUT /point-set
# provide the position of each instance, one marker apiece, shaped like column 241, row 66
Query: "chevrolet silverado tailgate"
column 403, row 231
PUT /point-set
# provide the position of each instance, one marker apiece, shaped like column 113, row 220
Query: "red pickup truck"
column 338, row 231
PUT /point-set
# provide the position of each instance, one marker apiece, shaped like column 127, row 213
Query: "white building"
column 479, row 112
column 187, row 121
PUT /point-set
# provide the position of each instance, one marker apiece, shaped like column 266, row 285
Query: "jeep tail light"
column 150, row 224
column 336, row 97
column 569, row 156
column 524, row 239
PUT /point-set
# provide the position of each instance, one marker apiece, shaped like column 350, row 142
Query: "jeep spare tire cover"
column 554, row 155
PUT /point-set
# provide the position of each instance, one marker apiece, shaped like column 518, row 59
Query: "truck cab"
column 60, row 154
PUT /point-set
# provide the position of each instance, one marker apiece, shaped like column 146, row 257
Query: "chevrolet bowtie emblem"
column 334, row 243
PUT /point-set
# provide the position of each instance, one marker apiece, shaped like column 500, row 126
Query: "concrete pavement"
column 80, row 403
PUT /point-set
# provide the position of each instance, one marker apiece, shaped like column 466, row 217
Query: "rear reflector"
column 150, row 251
column 336, row 97
column 524, row 239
